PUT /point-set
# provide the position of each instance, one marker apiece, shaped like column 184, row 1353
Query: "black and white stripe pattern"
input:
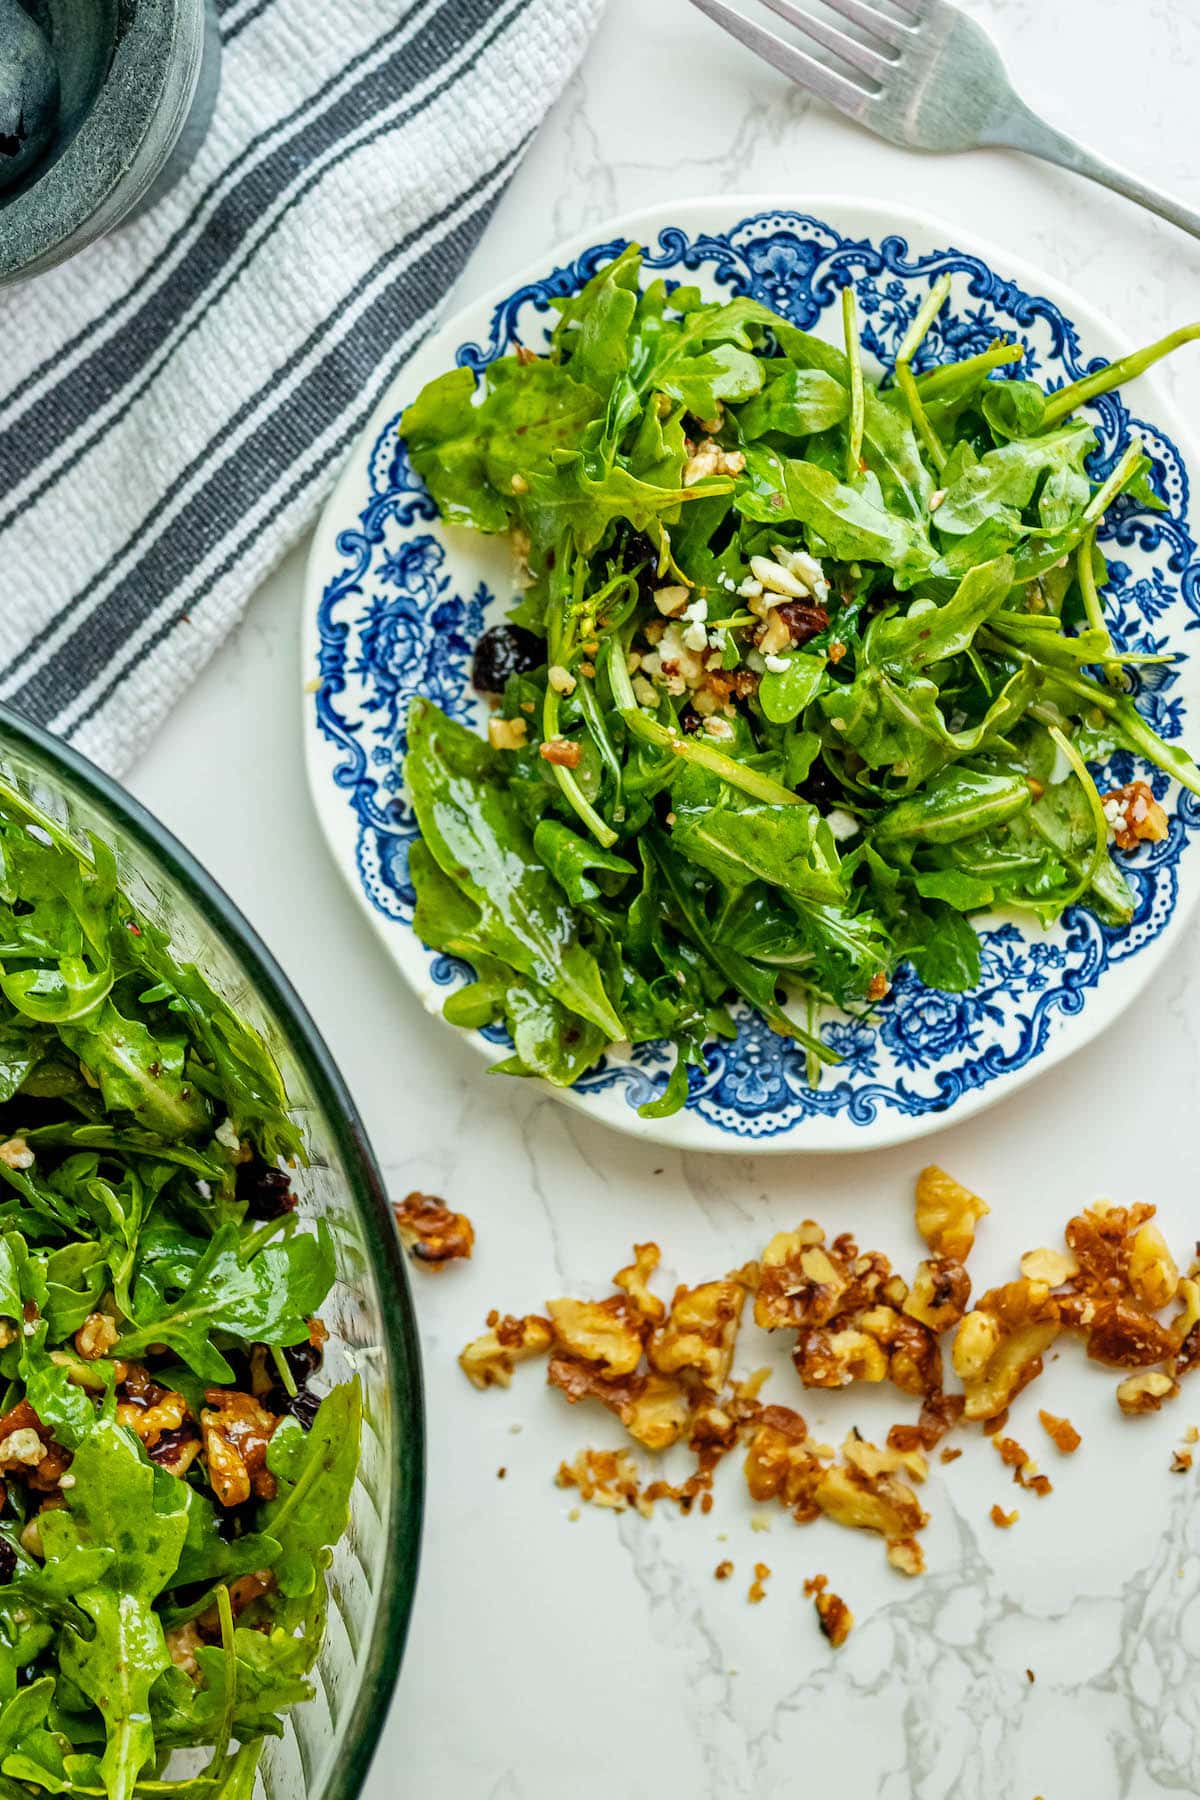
column 176, row 401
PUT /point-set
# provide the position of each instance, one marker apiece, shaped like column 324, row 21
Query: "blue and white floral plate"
column 395, row 602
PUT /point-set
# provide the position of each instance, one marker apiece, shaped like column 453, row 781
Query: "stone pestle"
column 28, row 92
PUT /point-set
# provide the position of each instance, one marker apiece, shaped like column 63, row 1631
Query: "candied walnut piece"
column 488, row 1361
column 1145, row 1393
column 998, row 1347
column 940, row 1293
column 906, row 1555
column 96, row 1336
column 700, row 1332
column 635, row 1280
column 1126, row 1337
column 798, row 1283
column 1052, row 1267
column 183, row 1641
column 723, row 1570
column 1003, row 1520
column 1025, row 1470
column 947, row 1213
column 834, row 1617
column 1152, row 1270
column 780, row 1462
column 561, row 752
column 864, row 1491
column 1061, row 1432
column 1134, row 815
column 659, row 1414
column 606, row 1332
column 430, row 1232
column 833, row 1359
column 236, row 1431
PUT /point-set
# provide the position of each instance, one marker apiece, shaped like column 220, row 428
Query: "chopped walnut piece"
column 947, row 1213
column 1061, row 1432
column 781, row 1464
column 1002, row 1519
column 1152, row 1271
column 834, row 1617
column 1181, row 1462
column 849, row 1494
column 96, row 1336
column 236, row 1431
column 183, row 1641
column 488, row 1361
column 507, row 734
column 606, row 1332
column 1145, row 1393
column 798, row 1284
column 906, row 1555
column 700, row 1332
column 1184, row 1335
column 635, row 1281
column 1122, row 1334
column 1025, row 1470
column 430, row 1232
column 1053, row 1267
column 833, row 1359
column 723, row 1570
column 940, row 1293
column 758, row 1591
column 998, row 1347
column 16, row 1154
column 561, row 752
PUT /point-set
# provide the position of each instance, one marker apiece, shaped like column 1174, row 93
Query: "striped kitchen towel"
column 175, row 402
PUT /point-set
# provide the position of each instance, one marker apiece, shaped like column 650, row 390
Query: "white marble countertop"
column 599, row 1657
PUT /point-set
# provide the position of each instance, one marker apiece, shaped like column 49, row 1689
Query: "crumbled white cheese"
column 718, row 728
column 776, row 665
column 842, row 824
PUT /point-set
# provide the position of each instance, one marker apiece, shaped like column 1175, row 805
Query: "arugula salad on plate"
column 810, row 670
column 170, row 1484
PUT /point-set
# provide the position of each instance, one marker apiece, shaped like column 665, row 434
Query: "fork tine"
column 850, row 50
column 888, row 30
column 789, row 59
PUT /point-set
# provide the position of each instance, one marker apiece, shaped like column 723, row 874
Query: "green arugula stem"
column 858, row 405
column 706, row 756
column 1115, row 483
column 574, row 795
column 919, row 417
column 1085, row 572
column 935, row 382
column 1100, row 850
column 927, row 312
column 1114, row 374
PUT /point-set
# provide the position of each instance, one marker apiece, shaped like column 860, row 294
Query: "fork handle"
column 1022, row 129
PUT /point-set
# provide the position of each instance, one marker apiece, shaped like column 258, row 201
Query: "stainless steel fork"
column 931, row 79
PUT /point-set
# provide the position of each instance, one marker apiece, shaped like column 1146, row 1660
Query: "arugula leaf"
column 315, row 1471
column 268, row 1299
column 115, row 1504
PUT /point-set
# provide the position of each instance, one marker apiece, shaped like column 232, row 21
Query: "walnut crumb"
column 949, row 1454
column 1030, row 1676
column 834, row 1617
column 1181, row 1462
column 1003, row 1520
column 1061, row 1432
column 758, row 1591
column 723, row 1570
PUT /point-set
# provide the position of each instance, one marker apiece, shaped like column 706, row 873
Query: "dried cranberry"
column 302, row 1407
column 169, row 1443
column 803, row 621
column 503, row 651
column 690, row 721
column 8, row 1562
column 303, row 1360
column 821, row 787
column 266, row 1190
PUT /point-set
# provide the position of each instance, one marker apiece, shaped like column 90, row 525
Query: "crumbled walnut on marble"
column 865, row 1491
column 488, row 1361
column 699, row 1332
column 998, row 1347
column 605, row 1478
column 1054, row 1268
column 1145, row 1393
column 758, row 1590
column 1025, row 1470
column 834, row 1617
column 605, row 1332
column 635, row 1280
column 1003, row 1520
column 430, row 1232
column 947, row 1213
column 1152, row 1270
column 940, row 1293
column 1061, row 1432
column 782, row 1464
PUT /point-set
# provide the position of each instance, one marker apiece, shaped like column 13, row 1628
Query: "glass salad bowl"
column 328, row 1742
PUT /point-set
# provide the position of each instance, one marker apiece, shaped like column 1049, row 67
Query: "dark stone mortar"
column 137, row 84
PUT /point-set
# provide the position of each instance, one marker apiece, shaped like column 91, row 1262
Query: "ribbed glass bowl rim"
column 360, row 1730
